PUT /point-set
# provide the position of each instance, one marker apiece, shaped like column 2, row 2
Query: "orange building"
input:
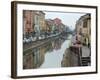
column 27, row 22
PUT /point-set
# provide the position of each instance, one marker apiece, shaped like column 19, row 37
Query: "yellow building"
column 42, row 21
column 83, row 28
column 39, row 19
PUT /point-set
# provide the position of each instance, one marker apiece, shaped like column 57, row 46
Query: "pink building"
column 57, row 21
column 60, row 26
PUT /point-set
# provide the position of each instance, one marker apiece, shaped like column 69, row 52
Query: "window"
column 85, row 24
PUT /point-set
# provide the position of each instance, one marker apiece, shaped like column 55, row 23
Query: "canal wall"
column 37, row 43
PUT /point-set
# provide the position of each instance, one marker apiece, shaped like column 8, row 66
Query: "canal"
column 48, row 55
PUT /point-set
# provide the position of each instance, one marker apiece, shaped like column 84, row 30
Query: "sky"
column 67, row 18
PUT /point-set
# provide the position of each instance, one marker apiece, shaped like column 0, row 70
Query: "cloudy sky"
column 67, row 18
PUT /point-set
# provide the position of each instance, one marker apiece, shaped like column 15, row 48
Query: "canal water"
column 48, row 55
column 53, row 59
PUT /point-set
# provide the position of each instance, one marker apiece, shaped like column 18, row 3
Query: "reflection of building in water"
column 49, row 47
column 28, row 60
column 34, row 58
column 56, row 44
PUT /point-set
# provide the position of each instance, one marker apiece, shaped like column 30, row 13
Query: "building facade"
column 27, row 22
column 83, row 28
column 33, row 23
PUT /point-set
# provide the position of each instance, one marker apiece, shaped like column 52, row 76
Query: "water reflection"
column 48, row 55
